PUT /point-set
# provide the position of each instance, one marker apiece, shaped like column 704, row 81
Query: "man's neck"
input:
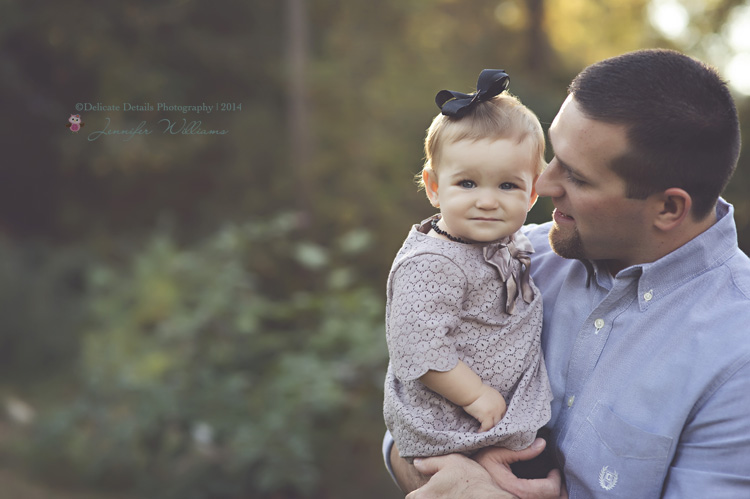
column 665, row 243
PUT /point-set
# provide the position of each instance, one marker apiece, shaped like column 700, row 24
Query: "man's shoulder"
column 715, row 308
column 739, row 268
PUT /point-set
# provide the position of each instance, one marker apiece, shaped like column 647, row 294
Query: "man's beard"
column 569, row 246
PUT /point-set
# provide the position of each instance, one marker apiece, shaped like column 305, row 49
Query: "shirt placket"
column 590, row 342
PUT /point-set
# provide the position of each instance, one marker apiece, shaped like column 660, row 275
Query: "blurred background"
column 194, row 309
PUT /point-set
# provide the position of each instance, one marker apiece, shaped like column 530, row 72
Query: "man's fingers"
column 492, row 456
column 541, row 488
column 556, row 477
column 530, row 452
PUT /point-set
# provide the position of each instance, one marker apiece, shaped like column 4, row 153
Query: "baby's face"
column 483, row 188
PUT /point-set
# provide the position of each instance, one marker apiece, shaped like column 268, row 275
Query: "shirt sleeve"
column 711, row 459
column 425, row 307
column 387, row 446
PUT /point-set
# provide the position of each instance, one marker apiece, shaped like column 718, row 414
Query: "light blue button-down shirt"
column 650, row 369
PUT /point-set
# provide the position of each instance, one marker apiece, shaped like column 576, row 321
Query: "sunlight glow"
column 736, row 33
column 738, row 28
column 738, row 73
column 668, row 16
column 509, row 14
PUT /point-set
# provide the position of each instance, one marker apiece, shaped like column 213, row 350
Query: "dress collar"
column 502, row 254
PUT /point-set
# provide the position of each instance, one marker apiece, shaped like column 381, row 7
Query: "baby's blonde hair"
column 502, row 117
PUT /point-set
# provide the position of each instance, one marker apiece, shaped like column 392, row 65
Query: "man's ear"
column 429, row 177
column 673, row 206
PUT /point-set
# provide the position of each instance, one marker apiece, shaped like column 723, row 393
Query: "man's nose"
column 548, row 184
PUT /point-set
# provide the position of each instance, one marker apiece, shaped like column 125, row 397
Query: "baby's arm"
column 464, row 387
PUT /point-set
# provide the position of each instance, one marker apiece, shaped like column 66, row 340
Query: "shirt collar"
column 657, row 279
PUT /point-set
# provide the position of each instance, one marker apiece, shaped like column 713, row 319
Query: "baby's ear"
column 429, row 177
column 534, row 195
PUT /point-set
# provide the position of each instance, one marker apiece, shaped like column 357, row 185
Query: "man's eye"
column 574, row 180
column 467, row 184
column 506, row 186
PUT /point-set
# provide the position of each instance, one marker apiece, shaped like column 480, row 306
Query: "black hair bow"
column 491, row 82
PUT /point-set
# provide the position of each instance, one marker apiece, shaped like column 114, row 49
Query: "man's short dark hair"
column 683, row 129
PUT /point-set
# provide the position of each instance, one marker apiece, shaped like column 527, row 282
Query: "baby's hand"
column 488, row 408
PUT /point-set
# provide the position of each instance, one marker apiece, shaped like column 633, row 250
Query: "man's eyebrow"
column 565, row 166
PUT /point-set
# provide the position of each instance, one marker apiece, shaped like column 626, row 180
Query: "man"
column 646, row 295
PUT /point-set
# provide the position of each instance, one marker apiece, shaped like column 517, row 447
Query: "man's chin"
column 566, row 245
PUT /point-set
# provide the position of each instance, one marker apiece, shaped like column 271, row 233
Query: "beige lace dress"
column 447, row 301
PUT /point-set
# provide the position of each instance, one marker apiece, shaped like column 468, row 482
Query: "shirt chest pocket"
column 611, row 458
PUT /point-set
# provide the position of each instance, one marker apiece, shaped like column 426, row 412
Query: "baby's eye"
column 506, row 186
column 467, row 184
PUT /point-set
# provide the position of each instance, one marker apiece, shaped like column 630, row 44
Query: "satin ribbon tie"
column 501, row 256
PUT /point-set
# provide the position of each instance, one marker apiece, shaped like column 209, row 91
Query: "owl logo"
column 75, row 123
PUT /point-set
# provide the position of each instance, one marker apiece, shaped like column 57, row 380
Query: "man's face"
column 592, row 218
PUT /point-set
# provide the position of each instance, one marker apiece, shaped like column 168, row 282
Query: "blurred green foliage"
column 41, row 308
column 195, row 383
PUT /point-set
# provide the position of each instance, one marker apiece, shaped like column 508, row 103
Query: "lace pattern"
column 446, row 303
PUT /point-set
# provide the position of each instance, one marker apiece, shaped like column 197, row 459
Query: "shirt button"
column 571, row 399
column 599, row 323
column 648, row 295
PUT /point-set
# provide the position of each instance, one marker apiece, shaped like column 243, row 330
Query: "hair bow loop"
column 491, row 82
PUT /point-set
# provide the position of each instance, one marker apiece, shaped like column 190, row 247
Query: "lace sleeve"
column 426, row 298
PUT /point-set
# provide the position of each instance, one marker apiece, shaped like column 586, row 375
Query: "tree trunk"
column 537, row 41
column 300, row 141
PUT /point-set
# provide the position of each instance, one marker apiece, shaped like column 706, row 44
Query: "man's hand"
column 489, row 408
column 455, row 476
column 459, row 477
column 497, row 461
